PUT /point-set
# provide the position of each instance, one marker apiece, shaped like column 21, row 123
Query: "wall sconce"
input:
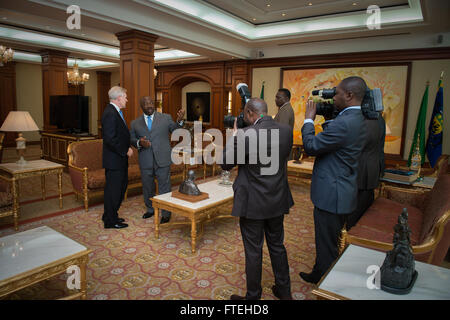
column 19, row 121
column 6, row 55
column 155, row 73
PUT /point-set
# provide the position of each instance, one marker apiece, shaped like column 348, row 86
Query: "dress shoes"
column 118, row 225
column 277, row 294
column 148, row 215
column 121, row 220
column 312, row 277
column 164, row 220
column 236, row 297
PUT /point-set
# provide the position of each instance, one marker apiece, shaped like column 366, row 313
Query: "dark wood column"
column 8, row 100
column 54, row 80
column 136, row 68
column 103, row 86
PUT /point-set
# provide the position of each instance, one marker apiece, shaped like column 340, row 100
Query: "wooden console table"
column 54, row 145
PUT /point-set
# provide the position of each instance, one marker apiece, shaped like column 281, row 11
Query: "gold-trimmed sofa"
column 87, row 173
column 428, row 216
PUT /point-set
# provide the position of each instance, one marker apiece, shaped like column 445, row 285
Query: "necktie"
column 121, row 114
column 149, row 123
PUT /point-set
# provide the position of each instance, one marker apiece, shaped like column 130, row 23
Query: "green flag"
column 419, row 133
column 262, row 91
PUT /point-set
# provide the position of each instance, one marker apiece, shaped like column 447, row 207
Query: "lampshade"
column 19, row 121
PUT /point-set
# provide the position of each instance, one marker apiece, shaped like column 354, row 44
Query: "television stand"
column 54, row 145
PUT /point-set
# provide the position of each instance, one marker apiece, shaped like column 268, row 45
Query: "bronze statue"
column 398, row 272
column 188, row 186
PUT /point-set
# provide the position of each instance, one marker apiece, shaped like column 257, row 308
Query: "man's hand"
column 180, row 115
column 144, row 142
column 130, row 152
column 235, row 128
column 310, row 112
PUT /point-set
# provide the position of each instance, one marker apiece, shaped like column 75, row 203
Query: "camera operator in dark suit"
column 370, row 168
column 261, row 195
column 334, row 188
column 116, row 151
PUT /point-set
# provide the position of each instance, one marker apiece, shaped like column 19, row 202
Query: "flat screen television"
column 70, row 113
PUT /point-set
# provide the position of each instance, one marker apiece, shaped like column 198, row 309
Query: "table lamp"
column 19, row 121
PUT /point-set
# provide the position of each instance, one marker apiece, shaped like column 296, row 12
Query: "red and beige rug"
column 131, row 264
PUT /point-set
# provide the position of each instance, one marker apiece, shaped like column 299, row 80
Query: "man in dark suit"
column 116, row 151
column 370, row 167
column 261, row 195
column 334, row 186
column 150, row 135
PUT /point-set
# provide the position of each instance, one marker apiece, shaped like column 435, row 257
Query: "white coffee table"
column 351, row 278
column 200, row 211
column 38, row 254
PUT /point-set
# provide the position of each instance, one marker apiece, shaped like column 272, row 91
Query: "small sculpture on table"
column 298, row 155
column 225, row 178
column 188, row 186
column 398, row 272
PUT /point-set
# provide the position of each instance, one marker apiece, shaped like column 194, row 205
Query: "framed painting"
column 392, row 79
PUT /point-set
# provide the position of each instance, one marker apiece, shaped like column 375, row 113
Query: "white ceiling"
column 216, row 30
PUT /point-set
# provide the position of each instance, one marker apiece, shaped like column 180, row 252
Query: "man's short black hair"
column 286, row 92
column 356, row 85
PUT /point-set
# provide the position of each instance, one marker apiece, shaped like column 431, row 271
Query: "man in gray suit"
column 150, row 135
column 370, row 167
column 334, row 187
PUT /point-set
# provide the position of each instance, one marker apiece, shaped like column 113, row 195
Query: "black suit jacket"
column 337, row 150
column 371, row 163
column 116, row 139
column 258, row 195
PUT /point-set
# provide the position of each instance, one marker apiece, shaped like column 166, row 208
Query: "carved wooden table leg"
column 156, row 222
column 83, row 282
column 15, row 190
column 43, row 186
column 60, row 189
column 193, row 234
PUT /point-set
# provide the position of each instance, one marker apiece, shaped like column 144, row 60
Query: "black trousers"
column 327, row 227
column 253, row 232
column 116, row 183
column 365, row 200
column 162, row 175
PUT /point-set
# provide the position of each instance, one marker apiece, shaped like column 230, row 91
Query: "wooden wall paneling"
column 76, row 90
column 103, row 86
column 8, row 100
column 136, row 68
column 54, row 80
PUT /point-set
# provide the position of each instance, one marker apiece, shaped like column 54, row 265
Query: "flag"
column 435, row 129
column 419, row 133
column 262, row 91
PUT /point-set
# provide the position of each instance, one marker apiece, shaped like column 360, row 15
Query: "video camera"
column 228, row 120
column 371, row 106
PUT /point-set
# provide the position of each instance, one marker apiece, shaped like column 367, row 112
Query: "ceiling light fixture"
column 74, row 77
column 6, row 55
column 283, row 14
column 155, row 73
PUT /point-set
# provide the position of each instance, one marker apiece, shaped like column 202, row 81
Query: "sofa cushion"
column 379, row 220
column 438, row 203
column 88, row 154
column 96, row 179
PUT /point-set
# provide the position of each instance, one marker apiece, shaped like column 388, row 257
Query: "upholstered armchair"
column 87, row 174
column 428, row 216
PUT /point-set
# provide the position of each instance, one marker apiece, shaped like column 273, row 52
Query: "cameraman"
column 261, row 199
column 334, row 187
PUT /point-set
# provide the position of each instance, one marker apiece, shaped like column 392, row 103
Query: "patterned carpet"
column 131, row 264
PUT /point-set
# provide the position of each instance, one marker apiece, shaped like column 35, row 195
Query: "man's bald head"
column 257, row 105
column 356, row 85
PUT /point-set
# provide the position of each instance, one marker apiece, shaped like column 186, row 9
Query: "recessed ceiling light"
column 254, row 19
column 310, row 4
column 354, row 4
column 268, row 5
column 283, row 14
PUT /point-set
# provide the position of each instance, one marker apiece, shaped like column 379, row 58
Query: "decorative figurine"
column 398, row 273
column 188, row 186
